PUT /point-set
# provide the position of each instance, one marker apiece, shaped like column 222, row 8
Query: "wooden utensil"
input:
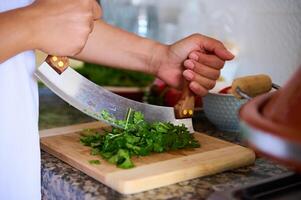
column 185, row 106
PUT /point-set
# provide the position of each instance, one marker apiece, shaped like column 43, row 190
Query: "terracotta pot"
column 271, row 123
column 268, row 138
column 285, row 106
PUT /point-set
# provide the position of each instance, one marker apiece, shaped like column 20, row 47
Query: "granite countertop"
column 61, row 181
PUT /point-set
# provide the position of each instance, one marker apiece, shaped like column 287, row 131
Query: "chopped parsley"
column 138, row 138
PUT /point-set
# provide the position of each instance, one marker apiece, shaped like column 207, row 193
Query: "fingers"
column 203, row 70
column 204, row 63
column 201, row 80
column 224, row 54
column 198, row 89
column 207, row 59
column 97, row 11
column 216, row 47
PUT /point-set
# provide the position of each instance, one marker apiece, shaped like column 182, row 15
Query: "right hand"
column 197, row 59
column 62, row 27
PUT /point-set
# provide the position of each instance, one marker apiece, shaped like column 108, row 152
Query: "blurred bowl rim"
column 219, row 86
column 221, row 94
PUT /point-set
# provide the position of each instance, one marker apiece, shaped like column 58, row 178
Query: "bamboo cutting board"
column 152, row 171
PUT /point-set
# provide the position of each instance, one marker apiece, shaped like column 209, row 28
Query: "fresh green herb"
column 138, row 138
column 94, row 162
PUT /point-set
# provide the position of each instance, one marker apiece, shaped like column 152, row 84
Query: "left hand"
column 197, row 58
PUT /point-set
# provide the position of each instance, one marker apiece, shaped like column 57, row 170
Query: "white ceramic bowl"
column 222, row 111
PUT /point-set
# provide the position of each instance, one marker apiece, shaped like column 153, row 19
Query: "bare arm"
column 197, row 58
column 115, row 47
column 14, row 33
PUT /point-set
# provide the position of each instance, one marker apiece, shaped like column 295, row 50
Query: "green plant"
column 107, row 76
column 136, row 138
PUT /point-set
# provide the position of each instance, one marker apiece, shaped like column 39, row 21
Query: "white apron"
column 19, row 139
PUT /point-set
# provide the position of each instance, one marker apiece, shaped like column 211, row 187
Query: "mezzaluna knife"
column 91, row 99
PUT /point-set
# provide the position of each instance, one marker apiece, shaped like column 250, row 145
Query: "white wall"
column 266, row 32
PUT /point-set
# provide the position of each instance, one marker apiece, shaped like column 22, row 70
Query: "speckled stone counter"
column 61, row 181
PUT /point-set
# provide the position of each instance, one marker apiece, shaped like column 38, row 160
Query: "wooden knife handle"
column 58, row 63
column 185, row 106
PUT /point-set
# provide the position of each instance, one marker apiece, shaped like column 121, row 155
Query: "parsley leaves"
column 138, row 138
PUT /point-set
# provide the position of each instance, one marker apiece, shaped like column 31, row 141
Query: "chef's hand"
column 197, row 58
column 62, row 27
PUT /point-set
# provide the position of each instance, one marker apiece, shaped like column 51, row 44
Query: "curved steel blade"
column 91, row 99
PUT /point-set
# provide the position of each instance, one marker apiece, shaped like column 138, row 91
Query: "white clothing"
column 20, row 176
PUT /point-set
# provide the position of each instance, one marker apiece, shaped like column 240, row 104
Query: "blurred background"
column 264, row 35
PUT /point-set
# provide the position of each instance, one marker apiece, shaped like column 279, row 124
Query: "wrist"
column 159, row 52
column 32, row 15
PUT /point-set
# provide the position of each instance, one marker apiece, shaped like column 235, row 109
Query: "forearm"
column 114, row 47
column 15, row 33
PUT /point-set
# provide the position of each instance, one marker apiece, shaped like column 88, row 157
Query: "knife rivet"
column 190, row 112
column 61, row 64
column 54, row 58
column 185, row 112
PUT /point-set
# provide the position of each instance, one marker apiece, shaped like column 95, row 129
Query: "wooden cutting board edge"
column 126, row 185
column 199, row 168
column 71, row 129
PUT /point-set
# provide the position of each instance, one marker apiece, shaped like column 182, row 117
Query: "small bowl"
column 222, row 111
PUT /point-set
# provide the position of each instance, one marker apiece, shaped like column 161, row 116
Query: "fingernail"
column 194, row 56
column 230, row 53
column 189, row 64
column 188, row 75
